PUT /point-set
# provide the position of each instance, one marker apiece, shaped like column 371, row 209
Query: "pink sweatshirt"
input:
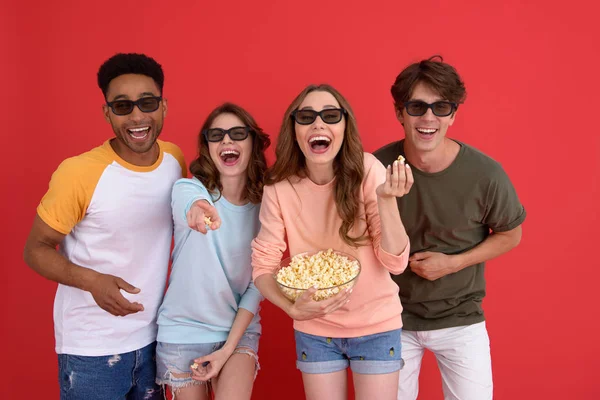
column 306, row 213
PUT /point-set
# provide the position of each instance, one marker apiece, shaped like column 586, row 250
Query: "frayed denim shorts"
column 177, row 358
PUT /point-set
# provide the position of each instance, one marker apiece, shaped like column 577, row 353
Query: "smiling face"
column 136, row 132
column 231, row 157
column 426, row 132
column 320, row 142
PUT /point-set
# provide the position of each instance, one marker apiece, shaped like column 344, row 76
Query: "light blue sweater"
column 211, row 275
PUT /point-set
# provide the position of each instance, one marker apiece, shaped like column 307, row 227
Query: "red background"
column 531, row 70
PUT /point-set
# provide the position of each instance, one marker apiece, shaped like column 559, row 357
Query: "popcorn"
column 207, row 221
column 194, row 366
column 325, row 270
column 401, row 159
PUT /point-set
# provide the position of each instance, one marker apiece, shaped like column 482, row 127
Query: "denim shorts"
column 380, row 353
column 119, row 376
column 177, row 358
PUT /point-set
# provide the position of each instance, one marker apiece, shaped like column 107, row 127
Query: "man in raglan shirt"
column 108, row 211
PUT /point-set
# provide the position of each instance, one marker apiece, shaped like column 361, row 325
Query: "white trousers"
column 463, row 357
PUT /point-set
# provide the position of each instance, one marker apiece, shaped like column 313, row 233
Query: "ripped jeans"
column 127, row 376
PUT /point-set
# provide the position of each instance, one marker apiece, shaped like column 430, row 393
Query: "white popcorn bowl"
column 293, row 293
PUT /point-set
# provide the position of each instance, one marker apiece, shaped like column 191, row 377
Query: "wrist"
column 386, row 198
column 388, row 206
column 84, row 278
column 288, row 308
column 458, row 262
column 228, row 348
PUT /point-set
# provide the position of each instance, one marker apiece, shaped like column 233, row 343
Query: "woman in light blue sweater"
column 208, row 323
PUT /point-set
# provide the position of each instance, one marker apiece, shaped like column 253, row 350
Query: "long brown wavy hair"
column 205, row 170
column 348, row 165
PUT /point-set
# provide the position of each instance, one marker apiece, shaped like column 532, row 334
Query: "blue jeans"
column 380, row 353
column 127, row 376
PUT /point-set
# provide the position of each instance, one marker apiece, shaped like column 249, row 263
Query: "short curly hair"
column 129, row 63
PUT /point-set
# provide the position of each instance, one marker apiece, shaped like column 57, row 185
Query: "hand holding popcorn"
column 398, row 179
column 203, row 216
column 305, row 307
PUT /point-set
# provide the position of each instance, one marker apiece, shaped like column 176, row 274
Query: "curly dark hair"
column 348, row 165
column 129, row 63
column 433, row 72
column 205, row 170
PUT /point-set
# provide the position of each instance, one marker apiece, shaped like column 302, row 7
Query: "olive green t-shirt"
column 450, row 212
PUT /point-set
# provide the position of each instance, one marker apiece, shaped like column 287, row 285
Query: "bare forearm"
column 493, row 246
column 393, row 234
column 268, row 288
column 241, row 322
column 50, row 264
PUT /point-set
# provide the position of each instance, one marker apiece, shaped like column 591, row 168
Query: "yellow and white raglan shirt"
column 117, row 220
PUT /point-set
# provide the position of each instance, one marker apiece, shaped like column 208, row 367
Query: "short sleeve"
column 69, row 194
column 176, row 152
column 504, row 211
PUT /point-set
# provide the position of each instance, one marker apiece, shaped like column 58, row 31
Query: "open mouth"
column 139, row 133
column 319, row 144
column 427, row 131
column 229, row 157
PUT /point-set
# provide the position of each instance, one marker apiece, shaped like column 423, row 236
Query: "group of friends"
column 421, row 225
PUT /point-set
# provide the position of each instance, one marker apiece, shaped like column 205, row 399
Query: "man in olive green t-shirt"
column 461, row 211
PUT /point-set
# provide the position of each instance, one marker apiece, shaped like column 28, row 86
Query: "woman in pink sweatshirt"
column 324, row 192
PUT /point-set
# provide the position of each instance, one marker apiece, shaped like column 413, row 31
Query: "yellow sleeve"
column 176, row 152
column 70, row 192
